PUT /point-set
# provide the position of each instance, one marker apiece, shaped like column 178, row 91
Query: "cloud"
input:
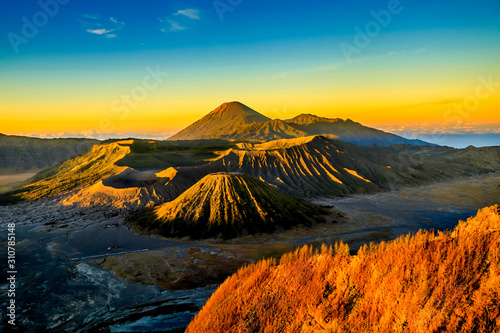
column 174, row 26
column 171, row 25
column 458, row 137
column 193, row 14
column 88, row 133
column 99, row 31
column 94, row 134
column 179, row 20
column 98, row 25
column 437, row 128
column 91, row 17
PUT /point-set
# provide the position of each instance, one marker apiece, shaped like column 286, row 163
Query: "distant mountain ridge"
column 236, row 121
column 347, row 131
column 20, row 154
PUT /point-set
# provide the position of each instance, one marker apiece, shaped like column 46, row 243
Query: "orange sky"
column 412, row 88
column 159, row 115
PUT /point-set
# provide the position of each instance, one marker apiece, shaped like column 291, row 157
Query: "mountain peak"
column 233, row 104
column 307, row 118
column 223, row 119
column 234, row 109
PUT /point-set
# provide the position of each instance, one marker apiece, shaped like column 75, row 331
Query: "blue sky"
column 252, row 22
column 279, row 55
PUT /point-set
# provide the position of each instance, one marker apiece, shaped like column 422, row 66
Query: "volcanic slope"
column 237, row 122
column 99, row 163
column 427, row 282
column 129, row 190
column 95, row 179
column 313, row 166
column 347, row 131
column 220, row 121
column 306, row 166
column 317, row 166
column 269, row 130
column 228, row 205
column 103, row 176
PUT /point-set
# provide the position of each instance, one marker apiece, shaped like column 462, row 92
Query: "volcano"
column 229, row 205
column 235, row 121
column 220, row 121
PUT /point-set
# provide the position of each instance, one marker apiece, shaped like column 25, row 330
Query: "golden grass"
column 426, row 282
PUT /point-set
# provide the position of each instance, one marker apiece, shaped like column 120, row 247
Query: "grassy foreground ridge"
column 426, row 282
